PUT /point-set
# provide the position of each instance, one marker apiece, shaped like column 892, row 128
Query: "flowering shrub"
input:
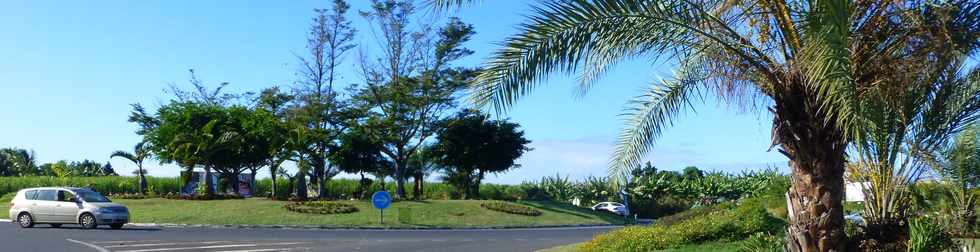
column 320, row 207
column 505, row 207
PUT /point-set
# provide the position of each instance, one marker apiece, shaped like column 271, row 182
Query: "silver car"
column 66, row 205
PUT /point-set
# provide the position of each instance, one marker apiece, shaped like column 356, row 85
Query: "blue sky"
column 70, row 69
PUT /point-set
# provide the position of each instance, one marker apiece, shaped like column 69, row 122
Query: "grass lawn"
column 429, row 213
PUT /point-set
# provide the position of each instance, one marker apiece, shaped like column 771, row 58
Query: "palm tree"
column 909, row 122
column 140, row 152
column 809, row 61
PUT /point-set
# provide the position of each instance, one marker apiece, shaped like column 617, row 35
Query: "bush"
column 320, row 207
column 662, row 206
column 927, row 235
column 763, row 242
column 710, row 224
column 505, row 207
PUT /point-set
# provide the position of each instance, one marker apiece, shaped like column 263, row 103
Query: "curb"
column 327, row 227
column 6, row 220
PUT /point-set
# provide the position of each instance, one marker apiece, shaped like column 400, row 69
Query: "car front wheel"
column 25, row 220
column 87, row 221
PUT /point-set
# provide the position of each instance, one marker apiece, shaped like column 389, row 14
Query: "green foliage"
column 926, row 235
column 105, row 184
column 720, row 223
column 320, row 207
column 763, row 242
column 414, row 83
column 471, row 145
column 18, row 162
column 505, row 207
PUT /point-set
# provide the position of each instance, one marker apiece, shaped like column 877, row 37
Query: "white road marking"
column 163, row 244
column 137, row 241
column 216, row 246
column 93, row 246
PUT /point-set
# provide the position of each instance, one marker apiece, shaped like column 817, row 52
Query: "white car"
column 611, row 207
column 66, row 205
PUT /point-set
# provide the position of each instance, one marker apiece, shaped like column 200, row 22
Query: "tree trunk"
column 322, row 188
column 476, row 185
column 272, row 173
column 301, row 181
column 252, row 184
column 142, row 180
column 234, row 183
column 815, row 198
column 417, row 190
column 209, row 187
column 400, row 178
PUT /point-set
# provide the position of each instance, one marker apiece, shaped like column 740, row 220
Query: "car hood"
column 104, row 204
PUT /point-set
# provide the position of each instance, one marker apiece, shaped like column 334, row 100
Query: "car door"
column 43, row 207
column 65, row 209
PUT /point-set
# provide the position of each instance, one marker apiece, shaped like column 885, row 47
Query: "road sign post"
column 381, row 200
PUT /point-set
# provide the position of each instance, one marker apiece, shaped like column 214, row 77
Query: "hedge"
column 339, row 188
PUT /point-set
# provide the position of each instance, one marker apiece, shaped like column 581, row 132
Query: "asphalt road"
column 137, row 239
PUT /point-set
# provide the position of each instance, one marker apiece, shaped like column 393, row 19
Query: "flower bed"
column 505, row 207
column 174, row 196
column 129, row 196
column 320, row 207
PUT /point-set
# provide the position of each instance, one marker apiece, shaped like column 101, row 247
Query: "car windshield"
column 91, row 196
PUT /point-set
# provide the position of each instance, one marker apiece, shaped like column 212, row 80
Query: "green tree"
column 412, row 84
column 61, row 169
column 471, row 145
column 358, row 153
column 322, row 108
column 909, row 121
column 807, row 60
column 18, row 162
column 692, row 172
column 140, row 153
column 269, row 124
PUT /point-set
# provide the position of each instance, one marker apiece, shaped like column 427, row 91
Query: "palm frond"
column 124, row 154
column 647, row 116
column 568, row 35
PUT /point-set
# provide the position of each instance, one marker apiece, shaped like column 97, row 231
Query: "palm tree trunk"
column 301, row 191
column 272, row 173
column 207, row 181
column 142, row 180
column 815, row 198
column 417, row 187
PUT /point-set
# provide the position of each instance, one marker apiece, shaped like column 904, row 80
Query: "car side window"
column 30, row 195
column 64, row 195
column 49, row 195
column 602, row 205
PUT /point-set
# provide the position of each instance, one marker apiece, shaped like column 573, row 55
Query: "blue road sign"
column 381, row 199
